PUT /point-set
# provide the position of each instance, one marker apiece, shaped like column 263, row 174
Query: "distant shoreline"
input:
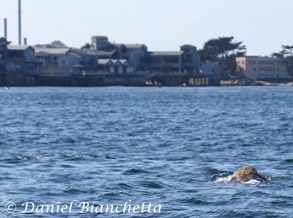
column 224, row 84
column 254, row 83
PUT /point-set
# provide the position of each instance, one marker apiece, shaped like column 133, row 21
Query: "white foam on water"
column 224, row 179
column 228, row 179
column 253, row 181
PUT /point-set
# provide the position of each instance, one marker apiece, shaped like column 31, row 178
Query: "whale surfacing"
column 246, row 174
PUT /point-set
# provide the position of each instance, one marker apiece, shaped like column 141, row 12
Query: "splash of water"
column 228, row 179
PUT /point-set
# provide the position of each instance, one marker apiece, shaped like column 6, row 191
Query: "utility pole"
column 5, row 28
column 19, row 22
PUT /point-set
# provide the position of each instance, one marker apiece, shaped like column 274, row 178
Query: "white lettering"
column 71, row 205
column 127, row 206
column 135, row 208
column 26, row 205
column 157, row 209
column 117, row 209
column 85, row 207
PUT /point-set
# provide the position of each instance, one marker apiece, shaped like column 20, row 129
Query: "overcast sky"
column 263, row 25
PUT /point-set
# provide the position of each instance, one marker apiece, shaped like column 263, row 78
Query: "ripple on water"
column 194, row 201
column 289, row 160
column 159, row 145
column 151, row 185
column 135, row 171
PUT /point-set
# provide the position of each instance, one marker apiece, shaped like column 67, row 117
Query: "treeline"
column 287, row 54
column 224, row 50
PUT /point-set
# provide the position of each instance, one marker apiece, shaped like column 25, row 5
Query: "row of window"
column 120, row 69
column 266, row 76
column 265, row 62
column 262, row 62
column 266, row 69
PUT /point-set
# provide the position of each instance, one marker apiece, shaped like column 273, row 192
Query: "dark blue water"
column 161, row 145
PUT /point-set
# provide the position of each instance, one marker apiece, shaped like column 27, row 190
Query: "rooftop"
column 166, row 53
column 122, row 61
column 55, row 44
column 131, row 45
column 100, row 37
column 52, row 50
column 114, row 61
column 99, row 52
column 18, row 47
column 103, row 61
column 260, row 57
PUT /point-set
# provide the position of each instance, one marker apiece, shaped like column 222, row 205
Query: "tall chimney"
column 25, row 41
column 5, row 28
column 19, row 22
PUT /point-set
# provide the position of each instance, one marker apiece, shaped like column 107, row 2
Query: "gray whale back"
column 246, row 174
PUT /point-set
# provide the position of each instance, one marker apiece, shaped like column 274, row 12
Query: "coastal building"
column 103, row 49
column 211, row 69
column 21, row 64
column 185, row 61
column 139, row 59
column 190, row 59
column 21, row 52
column 115, row 66
column 255, row 67
column 102, row 62
column 57, row 60
column 209, row 75
column 21, row 58
column 3, row 57
column 135, row 54
column 3, row 48
column 99, row 63
column 164, row 62
column 99, row 42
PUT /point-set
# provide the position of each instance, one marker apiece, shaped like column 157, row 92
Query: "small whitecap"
column 224, row 179
column 228, row 179
column 252, row 181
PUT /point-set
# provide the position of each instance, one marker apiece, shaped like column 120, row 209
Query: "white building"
column 262, row 67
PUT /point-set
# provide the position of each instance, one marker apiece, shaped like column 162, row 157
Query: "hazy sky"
column 263, row 25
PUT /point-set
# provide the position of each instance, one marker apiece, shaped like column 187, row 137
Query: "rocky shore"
column 251, row 82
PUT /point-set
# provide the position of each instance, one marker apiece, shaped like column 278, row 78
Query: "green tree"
column 287, row 50
column 278, row 55
column 223, row 50
column 86, row 47
column 287, row 53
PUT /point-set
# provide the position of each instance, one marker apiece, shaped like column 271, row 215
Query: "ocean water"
column 165, row 146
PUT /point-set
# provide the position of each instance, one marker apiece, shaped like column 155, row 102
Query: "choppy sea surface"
column 165, row 146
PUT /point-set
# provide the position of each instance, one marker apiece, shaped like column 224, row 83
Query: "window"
column 120, row 69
